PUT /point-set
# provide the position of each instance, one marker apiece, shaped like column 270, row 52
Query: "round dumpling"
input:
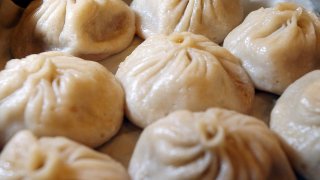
column 296, row 117
column 90, row 29
column 277, row 45
column 27, row 157
column 215, row 144
column 251, row 5
column 182, row 71
column 211, row 18
column 56, row 94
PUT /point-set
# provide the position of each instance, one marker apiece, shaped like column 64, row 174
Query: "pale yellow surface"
column 215, row 144
column 206, row 17
column 296, row 117
column 29, row 158
column 277, row 45
column 91, row 29
column 54, row 94
column 182, row 71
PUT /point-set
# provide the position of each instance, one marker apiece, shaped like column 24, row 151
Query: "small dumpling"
column 90, row 29
column 112, row 62
column 182, row 71
column 211, row 18
column 54, row 94
column 215, row 144
column 53, row 158
column 251, row 5
column 296, row 117
column 277, row 45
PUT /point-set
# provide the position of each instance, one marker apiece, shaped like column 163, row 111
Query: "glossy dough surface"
column 296, row 117
column 182, row 71
column 27, row 157
column 211, row 18
column 277, row 45
column 57, row 94
column 215, row 144
column 90, row 29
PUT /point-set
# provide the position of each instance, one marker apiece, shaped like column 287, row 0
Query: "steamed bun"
column 215, row 144
column 277, row 45
column 182, row 71
column 91, row 29
column 296, row 117
column 211, row 18
column 54, row 94
column 27, row 157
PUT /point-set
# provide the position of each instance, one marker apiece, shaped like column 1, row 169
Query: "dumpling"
column 215, row 144
column 54, row 94
column 211, row 18
column 251, row 5
column 112, row 62
column 182, row 71
column 277, row 45
column 121, row 146
column 296, row 117
column 90, row 29
column 53, row 158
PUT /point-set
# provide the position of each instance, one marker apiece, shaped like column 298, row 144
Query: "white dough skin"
column 296, row 117
column 215, row 144
column 277, row 45
column 54, row 94
column 182, row 71
column 53, row 158
column 211, row 18
column 90, row 29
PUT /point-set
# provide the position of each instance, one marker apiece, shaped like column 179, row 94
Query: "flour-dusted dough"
column 182, row 71
column 296, row 117
column 56, row 94
column 277, row 45
column 211, row 18
column 91, row 29
column 215, row 144
column 53, row 158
